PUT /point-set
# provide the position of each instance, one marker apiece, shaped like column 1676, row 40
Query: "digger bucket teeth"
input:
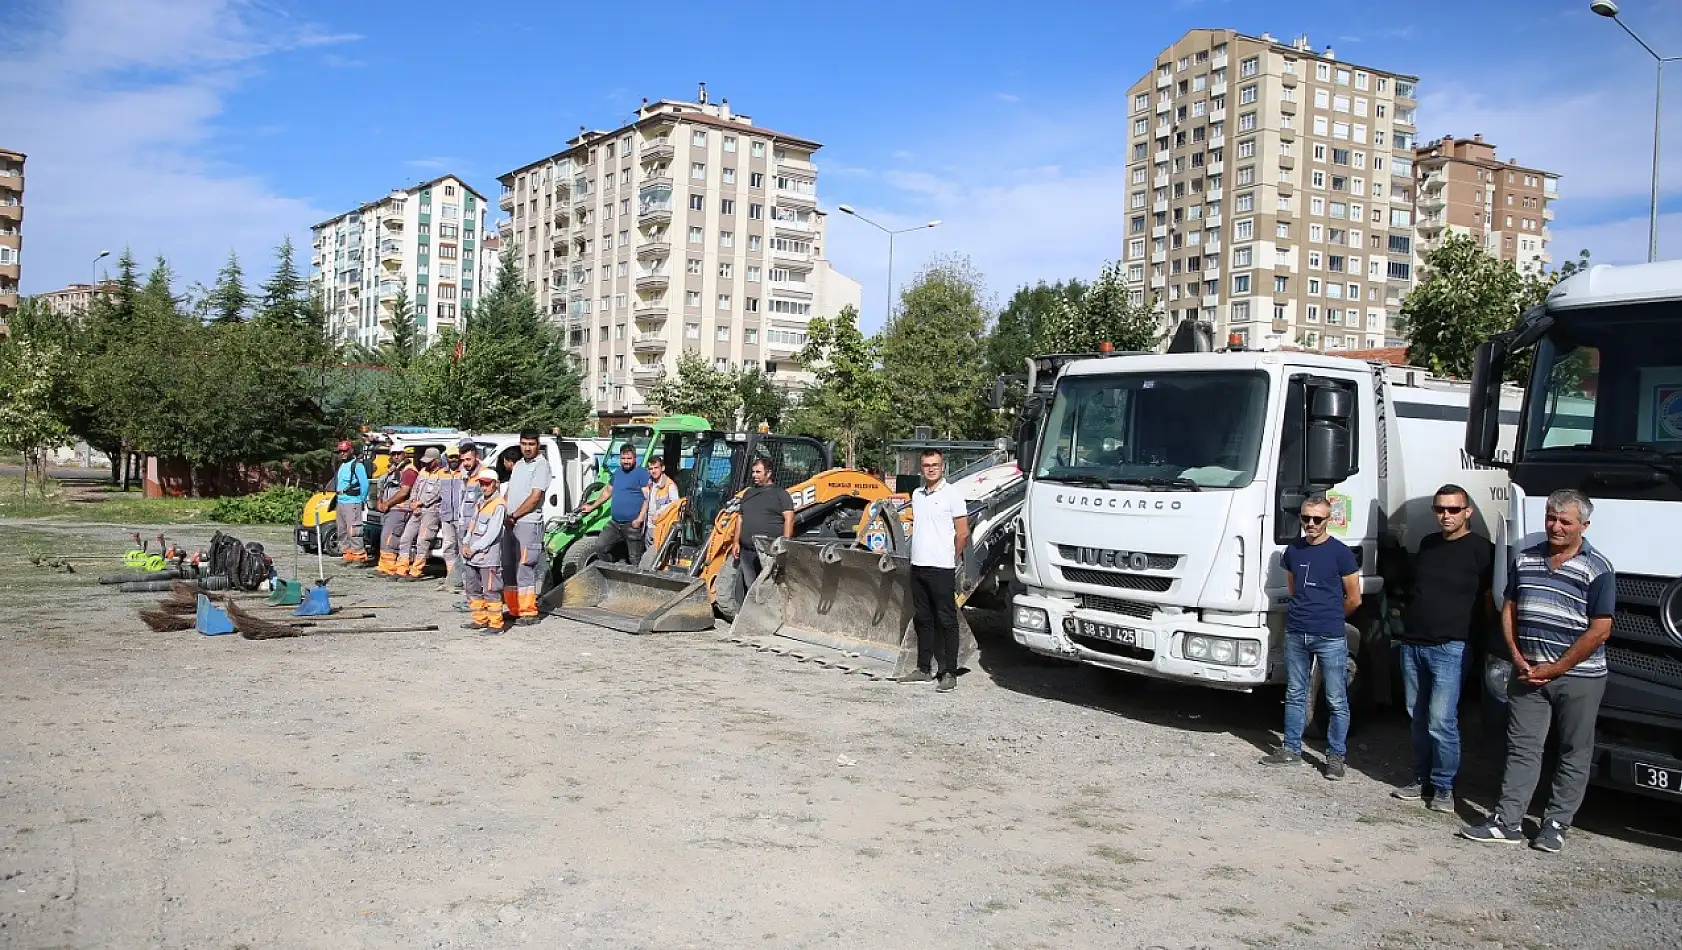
column 632, row 600
column 838, row 604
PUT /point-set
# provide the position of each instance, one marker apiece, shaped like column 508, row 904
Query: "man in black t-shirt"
column 1448, row 604
column 766, row 510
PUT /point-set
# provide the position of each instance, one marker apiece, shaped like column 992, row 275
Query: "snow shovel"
column 211, row 620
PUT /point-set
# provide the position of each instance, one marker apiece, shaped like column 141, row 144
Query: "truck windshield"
column 1608, row 381
column 1171, row 430
column 638, row 436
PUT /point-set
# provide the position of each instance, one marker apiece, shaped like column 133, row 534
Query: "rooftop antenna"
column 701, row 96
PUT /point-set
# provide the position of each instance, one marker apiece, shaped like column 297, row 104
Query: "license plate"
column 1658, row 779
column 1126, row 636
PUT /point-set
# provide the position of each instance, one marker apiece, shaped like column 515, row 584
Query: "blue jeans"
column 1333, row 652
column 1431, row 677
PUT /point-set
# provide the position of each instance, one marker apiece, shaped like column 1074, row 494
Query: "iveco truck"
column 1603, row 413
column 1163, row 488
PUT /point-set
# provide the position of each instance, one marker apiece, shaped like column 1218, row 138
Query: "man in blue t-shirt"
column 627, row 507
column 1325, row 586
column 352, row 484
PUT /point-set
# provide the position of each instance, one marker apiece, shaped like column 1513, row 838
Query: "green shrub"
column 269, row 506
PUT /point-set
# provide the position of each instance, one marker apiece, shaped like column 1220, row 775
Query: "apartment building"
column 490, row 260
column 75, row 299
column 1270, row 191
column 1464, row 189
column 690, row 229
column 424, row 240
column 11, row 232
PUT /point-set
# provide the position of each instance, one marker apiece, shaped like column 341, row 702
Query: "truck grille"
column 1646, row 666
column 1636, row 618
column 1127, row 608
column 1158, row 562
column 1086, row 575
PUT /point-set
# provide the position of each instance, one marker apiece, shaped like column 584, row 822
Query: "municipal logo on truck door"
column 1667, row 414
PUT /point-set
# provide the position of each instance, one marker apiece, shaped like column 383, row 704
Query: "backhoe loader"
column 688, row 571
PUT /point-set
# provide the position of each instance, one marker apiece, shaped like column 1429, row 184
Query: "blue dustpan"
column 211, row 620
column 314, row 604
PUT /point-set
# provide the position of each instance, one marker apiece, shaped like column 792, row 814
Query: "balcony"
column 787, row 160
column 389, row 288
column 789, row 256
column 649, row 371
column 1160, row 230
column 655, row 150
column 1217, row 89
column 657, row 181
column 649, row 280
column 654, row 214
column 1547, row 214
column 654, row 247
column 11, row 212
column 1163, row 106
column 1164, row 80
column 1214, row 168
column 649, row 343
column 1287, row 161
column 562, row 190
column 391, row 251
column 1287, row 107
column 506, row 202
column 1159, row 206
column 1217, row 115
column 802, row 198
column 1433, row 200
column 1217, row 141
column 1289, row 80
column 1162, row 155
column 1430, row 223
column 393, row 224
column 1160, row 181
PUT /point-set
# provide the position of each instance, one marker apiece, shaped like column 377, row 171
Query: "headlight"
column 1497, row 673
column 1032, row 618
column 1223, row 650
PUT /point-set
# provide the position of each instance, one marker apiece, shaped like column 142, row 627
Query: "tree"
column 32, row 416
column 761, row 402
column 227, row 300
column 399, row 351
column 698, row 389
column 1469, row 295
column 850, row 390
column 284, row 297
column 932, row 354
column 1104, row 314
column 1012, row 339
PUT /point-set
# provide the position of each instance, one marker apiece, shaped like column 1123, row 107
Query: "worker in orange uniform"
column 394, row 517
column 424, row 504
column 481, row 548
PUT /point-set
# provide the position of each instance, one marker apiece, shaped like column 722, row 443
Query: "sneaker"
column 915, row 676
column 1492, row 831
column 1442, row 800
column 474, row 625
column 1550, row 837
column 529, row 620
column 1411, row 792
column 1334, row 768
column 948, row 682
column 1282, row 756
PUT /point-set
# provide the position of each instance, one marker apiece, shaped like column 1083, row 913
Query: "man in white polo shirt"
column 939, row 532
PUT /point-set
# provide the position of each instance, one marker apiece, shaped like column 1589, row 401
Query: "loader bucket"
column 847, row 606
column 632, row 600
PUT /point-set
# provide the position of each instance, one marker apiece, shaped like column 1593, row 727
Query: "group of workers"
column 489, row 524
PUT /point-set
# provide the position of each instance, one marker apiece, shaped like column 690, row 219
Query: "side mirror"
column 1330, row 453
column 1483, row 415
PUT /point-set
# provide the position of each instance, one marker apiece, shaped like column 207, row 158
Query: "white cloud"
column 1007, row 97
column 116, row 103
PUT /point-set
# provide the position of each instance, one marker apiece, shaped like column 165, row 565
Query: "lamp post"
column 95, row 285
column 1609, row 10
column 848, row 209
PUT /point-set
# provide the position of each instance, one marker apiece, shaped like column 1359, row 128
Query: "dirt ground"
column 567, row 786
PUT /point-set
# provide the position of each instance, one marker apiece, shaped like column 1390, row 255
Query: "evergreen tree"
column 284, row 296
column 399, row 351
column 227, row 300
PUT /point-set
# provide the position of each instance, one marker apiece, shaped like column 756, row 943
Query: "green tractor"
column 570, row 540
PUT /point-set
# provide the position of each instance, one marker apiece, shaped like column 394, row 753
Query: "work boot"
column 1334, row 768
column 948, row 683
column 915, row 676
column 474, row 625
column 529, row 620
column 1282, row 756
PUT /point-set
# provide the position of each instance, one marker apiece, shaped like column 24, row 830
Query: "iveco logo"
column 1124, row 560
column 1670, row 610
column 1115, row 502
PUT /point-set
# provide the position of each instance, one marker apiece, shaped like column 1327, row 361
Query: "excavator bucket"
column 632, row 600
column 842, row 606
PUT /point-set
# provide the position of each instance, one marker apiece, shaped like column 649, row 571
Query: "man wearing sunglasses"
column 1448, row 604
column 1325, row 586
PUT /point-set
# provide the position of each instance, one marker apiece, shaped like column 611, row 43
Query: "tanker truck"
column 1164, row 487
column 1603, row 414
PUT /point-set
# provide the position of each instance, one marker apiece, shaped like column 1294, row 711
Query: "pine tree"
column 399, row 351
column 283, row 293
column 228, row 299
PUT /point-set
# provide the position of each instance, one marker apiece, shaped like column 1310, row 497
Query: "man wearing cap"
column 481, row 547
column 423, row 505
column 467, row 506
column 394, row 518
column 449, row 513
column 527, row 484
column 353, row 486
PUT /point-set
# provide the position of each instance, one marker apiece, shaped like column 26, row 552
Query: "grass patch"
column 1117, row 855
column 110, row 507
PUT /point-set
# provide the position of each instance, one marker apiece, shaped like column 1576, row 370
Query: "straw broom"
column 163, row 621
column 256, row 628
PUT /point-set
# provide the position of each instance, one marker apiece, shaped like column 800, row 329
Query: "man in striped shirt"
column 1557, row 618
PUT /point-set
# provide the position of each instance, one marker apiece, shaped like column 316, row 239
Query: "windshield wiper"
column 1669, row 462
column 1081, row 479
column 1182, row 483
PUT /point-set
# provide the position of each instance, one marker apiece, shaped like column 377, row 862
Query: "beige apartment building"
column 1270, row 191
column 1464, row 189
column 689, row 229
column 11, row 232
column 75, row 299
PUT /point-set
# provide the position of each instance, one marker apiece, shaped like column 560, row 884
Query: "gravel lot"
column 567, row 786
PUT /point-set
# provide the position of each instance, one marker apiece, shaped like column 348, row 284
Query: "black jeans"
column 620, row 532
column 750, row 568
column 934, row 603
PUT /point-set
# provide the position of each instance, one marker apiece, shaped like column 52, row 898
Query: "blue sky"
column 191, row 127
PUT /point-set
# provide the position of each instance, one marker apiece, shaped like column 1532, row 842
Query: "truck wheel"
column 328, row 537
column 581, row 554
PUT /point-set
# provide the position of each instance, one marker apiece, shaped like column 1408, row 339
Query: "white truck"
column 1164, row 486
column 1603, row 414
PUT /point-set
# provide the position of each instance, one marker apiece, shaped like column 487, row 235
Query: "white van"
column 573, row 464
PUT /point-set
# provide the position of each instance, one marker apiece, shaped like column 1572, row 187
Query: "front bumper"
column 1159, row 651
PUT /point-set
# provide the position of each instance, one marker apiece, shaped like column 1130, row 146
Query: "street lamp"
column 95, row 286
column 1609, row 10
column 848, row 209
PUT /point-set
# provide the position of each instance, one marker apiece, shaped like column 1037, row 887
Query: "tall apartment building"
column 11, row 231
column 74, row 300
column 689, row 229
column 422, row 239
column 1270, row 190
column 1464, row 189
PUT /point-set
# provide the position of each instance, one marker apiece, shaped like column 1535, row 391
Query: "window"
column 1249, row 67
column 1400, row 270
column 726, row 270
column 1247, row 148
column 726, row 239
column 624, row 238
column 697, row 202
column 755, row 242
column 728, row 174
column 1323, row 72
column 756, row 212
column 1240, row 284
column 1141, row 102
column 727, row 206
column 1243, row 230
column 757, row 149
column 692, row 298
column 1322, row 99
column 1340, row 103
column 1247, row 175
column 1245, row 202
column 1317, row 179
column 1247, row 95
column 692, row 331
column 696, row 236
column 693, row 266
column 1282, row 229
column 1401, row 244
column 1241, row 257
column 724, row 304
column 1320, row 125
column 698, row 137
column 698, row 170
column 1281, row 284
column 1247, row 122
column 751, row 305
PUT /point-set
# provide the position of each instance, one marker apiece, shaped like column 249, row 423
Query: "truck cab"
column 1603, row 414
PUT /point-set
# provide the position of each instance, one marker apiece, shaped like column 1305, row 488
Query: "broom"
column 256, row 628
column 164, row 622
